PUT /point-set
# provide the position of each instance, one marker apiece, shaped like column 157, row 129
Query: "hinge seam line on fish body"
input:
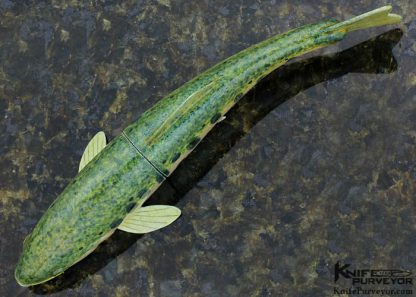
column 141, row 154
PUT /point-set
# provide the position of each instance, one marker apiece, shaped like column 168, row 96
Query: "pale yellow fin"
column 149, row 218
column 96, row 145
column 377, row 17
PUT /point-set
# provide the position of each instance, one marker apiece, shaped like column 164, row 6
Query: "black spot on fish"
column 115, row 223
column 80, row 248
column 175, row 157
column 159, row 178
column 215, row 118
column 250, row 81
column 193, row 143
column 131, row 198
column 141, row 192
column 101, row 233
column 130, row 207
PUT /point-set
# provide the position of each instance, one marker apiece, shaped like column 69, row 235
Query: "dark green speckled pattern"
column 87, row 211
column 315, row 165
column 222, row 86
column 98, row 199
column 133, row 165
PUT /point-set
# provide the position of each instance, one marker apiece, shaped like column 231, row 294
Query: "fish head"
column 63, row 236
column 53, row 247
column 87, row 212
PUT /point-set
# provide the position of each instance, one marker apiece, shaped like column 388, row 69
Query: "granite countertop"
column 316, row 165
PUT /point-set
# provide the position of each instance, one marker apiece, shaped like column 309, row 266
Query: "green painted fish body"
column 133, row 165
column 168, row 131
column 87, row 211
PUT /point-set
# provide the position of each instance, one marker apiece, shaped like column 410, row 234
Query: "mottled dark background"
column 315, row 165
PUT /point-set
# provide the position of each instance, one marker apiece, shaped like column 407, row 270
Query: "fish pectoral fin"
column 96, row 145
column 150, row 218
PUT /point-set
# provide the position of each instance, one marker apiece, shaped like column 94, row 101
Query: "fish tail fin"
column 377, row 17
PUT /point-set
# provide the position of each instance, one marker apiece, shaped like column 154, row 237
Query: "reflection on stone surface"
column 276, row 195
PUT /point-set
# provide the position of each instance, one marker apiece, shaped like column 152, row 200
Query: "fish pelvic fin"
column 150, row 218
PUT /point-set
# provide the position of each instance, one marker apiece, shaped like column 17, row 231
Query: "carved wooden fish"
column 116, row 179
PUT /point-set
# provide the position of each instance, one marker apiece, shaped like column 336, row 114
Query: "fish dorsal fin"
column 183, row 108
column 149, row 218
column 96, row 145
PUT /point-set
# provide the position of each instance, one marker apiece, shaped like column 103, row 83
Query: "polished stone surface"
column 316, row 165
